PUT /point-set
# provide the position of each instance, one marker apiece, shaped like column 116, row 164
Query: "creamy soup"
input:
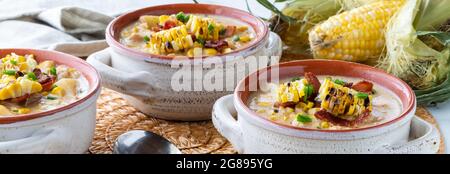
column 28, row 86
column 325, row 102
column 187, row 35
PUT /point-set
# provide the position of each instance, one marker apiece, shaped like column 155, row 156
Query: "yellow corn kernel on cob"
column 291, row 91
column 356, row 35
column 171, row 40
column 342, row 101
column 19, row 87
column 206, row 28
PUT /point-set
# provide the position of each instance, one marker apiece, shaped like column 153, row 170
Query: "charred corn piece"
column 291, row 91
column 171, row 40
column 17, row 88
column 202, row 27
column 343, row 101
column 356, row 35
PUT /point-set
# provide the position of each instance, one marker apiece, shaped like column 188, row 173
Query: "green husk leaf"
column 409, row 58
column 275, row 10
column 442, row 37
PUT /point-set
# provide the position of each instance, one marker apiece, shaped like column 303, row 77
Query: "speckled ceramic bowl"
column 251, row 133
column 145, row 79
column 66, row 129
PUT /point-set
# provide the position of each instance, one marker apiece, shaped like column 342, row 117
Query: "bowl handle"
column 274, row 47
column 47, row 140
column 222, row 118
column 427, row 140
column 123, row 82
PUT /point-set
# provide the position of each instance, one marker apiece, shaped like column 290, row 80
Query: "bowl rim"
column 113, row 42
column 242, row 85
column 88, row 71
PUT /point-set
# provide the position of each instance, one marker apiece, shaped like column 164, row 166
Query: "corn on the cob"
column 18, row 87
column 342, row 101
column 171, row 40
column 205, row 28
column 356, row 35
column 292, row 91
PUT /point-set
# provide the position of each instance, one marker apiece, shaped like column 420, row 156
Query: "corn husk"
column 422, row 67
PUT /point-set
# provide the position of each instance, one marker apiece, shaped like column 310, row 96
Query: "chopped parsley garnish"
column 12, row 61
column 222, row 31
column 295, row 79
column 9, row 72
column 182, row 17
column 236, row 38
column 210, row 28
column 308, row 90
column 31, row 76
column 53, row 71
column 51, row 98
column 146, row 39
column 362, row 95
column 339, row 82
column 201, row 40
column 303, row 118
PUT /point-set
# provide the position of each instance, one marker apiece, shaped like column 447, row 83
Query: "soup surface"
column 28, row 86
column 324, row 102
column 187, row 35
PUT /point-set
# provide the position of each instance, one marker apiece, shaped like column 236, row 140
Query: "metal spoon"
column 143, row 142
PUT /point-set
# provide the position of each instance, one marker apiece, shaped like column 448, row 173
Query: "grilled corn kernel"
column 245, row 38
column 324, row 124
column 209, row 51
column 264, row 104
column 242, row 28
column 23, row 111
column 57, row 91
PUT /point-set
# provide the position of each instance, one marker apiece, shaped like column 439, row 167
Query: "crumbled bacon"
column 45, row 80
column 219, row 45
column 324, row 115
column 363, row 86
column 169, row 24
column 286, row 105
column 314, row 81
column 229, row 31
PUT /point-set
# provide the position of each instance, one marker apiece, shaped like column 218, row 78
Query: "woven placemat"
column 115, row 116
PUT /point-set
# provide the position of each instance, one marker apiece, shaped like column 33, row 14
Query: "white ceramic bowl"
column 67, row 129
column 145, row 79
column 251, row 133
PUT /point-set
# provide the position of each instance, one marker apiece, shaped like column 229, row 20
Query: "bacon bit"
column 169, row 24
column 313, row 80
column 286, row 105
column 20, row 99
column 348, row 85
column 324, row 115
column 363, row 86
column 156, row 29
column 229, row 31
column 48, row 83
column 218, row 45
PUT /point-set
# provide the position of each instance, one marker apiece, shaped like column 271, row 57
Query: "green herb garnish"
column 53, row 71
column 51, row 98
column 32, row 76
column 308, row 90
column 210, row 28
column 222, row 31
column 236, row 38
column 182, row 17
column 146, row 39
column 295, row 79
column 339, row 82
column 15, row 110
column 9, row 72
column 362, row 95
column 201, row 40
column 14, row 62
column 303, row 118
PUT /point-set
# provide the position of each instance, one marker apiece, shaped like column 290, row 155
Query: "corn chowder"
column 333, row 103
column 28, row 86
column 187, row 35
